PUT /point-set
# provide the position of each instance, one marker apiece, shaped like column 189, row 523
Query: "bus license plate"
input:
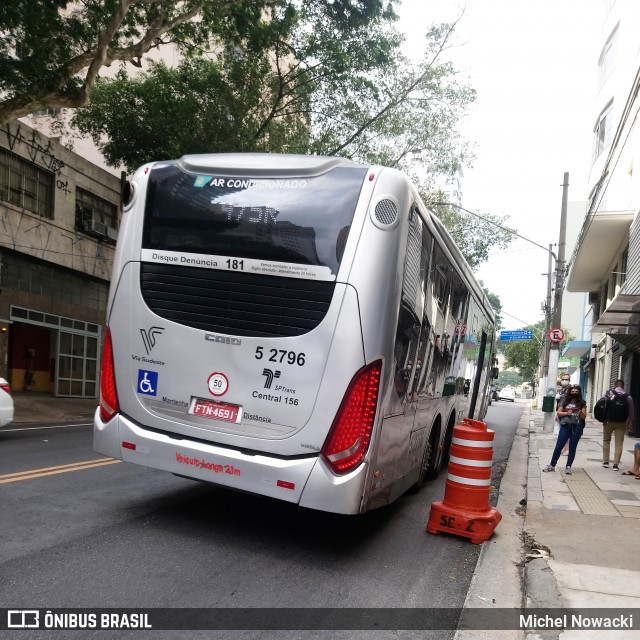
column 215, row 410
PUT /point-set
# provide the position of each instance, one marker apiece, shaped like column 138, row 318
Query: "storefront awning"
column 622, row 316
column 576, row 348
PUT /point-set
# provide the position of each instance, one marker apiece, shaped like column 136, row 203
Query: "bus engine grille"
column 233, row 302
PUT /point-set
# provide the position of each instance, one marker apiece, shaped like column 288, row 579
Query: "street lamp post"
column 554, row 353
column 495, row 224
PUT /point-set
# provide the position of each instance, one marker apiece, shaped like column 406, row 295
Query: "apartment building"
column 606, row 261
column 59, row 217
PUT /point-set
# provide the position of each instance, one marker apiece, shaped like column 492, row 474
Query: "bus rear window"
column 296, row 220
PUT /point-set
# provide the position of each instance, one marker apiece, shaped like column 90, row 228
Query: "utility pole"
column 554, row 351
column 544, row 369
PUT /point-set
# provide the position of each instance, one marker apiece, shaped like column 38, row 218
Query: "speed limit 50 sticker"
column 218, row 384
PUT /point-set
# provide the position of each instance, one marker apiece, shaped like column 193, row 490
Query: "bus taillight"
column 349, row 437
column 108, row 392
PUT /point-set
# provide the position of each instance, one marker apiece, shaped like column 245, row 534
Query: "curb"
column 499, row 578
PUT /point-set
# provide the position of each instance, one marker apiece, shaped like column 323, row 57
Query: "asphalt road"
column 76, row 532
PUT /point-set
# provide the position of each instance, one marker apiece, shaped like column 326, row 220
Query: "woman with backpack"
column 572, row 414
column 619, row 415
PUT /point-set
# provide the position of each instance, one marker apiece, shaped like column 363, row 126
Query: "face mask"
column 564, row 383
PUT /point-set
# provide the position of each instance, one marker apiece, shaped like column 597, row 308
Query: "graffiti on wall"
column 43, row 239
column 38, row 153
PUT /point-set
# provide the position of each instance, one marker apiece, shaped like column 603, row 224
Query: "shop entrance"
column 76, row 365
column 53, row 354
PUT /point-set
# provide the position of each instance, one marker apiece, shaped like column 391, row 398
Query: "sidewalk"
column 31, row 407
column 587, row 523
column 565, row 540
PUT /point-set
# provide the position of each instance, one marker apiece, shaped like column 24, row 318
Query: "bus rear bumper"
column 306, row 480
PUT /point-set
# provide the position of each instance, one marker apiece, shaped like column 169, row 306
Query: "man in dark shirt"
column 617, row 427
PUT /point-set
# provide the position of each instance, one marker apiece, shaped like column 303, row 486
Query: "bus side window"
column 411, row 307
column 425, row 353
column 458, row 325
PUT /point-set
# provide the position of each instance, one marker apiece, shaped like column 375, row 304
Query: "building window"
column 96, row 216
column 603, row 132
column 605, row 298
column 613, row 282
column 623, row 266
column 25, row 185
column 607, row 61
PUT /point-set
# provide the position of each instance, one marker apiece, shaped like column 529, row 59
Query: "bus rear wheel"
column 428, row 468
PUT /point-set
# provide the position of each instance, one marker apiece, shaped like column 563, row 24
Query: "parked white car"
column 507, row 394
column 6, row 403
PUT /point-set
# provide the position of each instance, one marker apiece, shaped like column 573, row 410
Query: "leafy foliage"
column 509, row 378
column 310, row 85
column 495, row 302
column 52, row 51
column 391, row 111
column 475, row 235
column 190, row 108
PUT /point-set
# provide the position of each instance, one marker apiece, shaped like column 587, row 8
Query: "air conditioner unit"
column 594, row 297
column 112, row 233
column 98, row 227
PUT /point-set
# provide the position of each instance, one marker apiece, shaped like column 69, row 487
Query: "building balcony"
column 600, row 239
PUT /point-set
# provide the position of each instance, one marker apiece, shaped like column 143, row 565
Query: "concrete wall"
column 57, row 240
column 47, row 264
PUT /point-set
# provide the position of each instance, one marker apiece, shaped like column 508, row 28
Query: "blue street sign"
column 522, row 334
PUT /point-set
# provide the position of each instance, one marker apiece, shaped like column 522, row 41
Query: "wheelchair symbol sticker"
column 147, row 382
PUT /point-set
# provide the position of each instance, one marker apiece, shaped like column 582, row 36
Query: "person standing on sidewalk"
column 620, row 415
column 561, row 394
column 572, row 414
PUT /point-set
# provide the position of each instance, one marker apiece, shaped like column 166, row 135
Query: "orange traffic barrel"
column 465, row 509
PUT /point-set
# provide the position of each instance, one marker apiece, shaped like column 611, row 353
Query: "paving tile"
column 588, row 495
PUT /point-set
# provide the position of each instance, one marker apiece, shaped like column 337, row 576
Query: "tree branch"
column 393, row 103
column 64, row 97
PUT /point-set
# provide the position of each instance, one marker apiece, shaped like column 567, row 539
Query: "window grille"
column 25, row 185
column 95, row 216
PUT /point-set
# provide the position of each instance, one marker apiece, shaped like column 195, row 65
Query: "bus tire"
column 448, row 437
column 428, row 468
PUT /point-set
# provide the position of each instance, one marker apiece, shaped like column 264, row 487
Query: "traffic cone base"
column 478, row 527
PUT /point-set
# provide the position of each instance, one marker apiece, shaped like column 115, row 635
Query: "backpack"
column 600, row 410
column 618, row 408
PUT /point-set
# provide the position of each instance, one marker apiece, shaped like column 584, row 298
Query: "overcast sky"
column 533, row 64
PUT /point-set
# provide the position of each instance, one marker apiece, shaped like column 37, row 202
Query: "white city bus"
column 299, row 327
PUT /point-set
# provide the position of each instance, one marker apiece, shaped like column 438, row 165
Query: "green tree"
column 495, row 302
column 191, row 108
column 397, row 113
column 52, row 51
column 509, row 378
column 310, row 89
